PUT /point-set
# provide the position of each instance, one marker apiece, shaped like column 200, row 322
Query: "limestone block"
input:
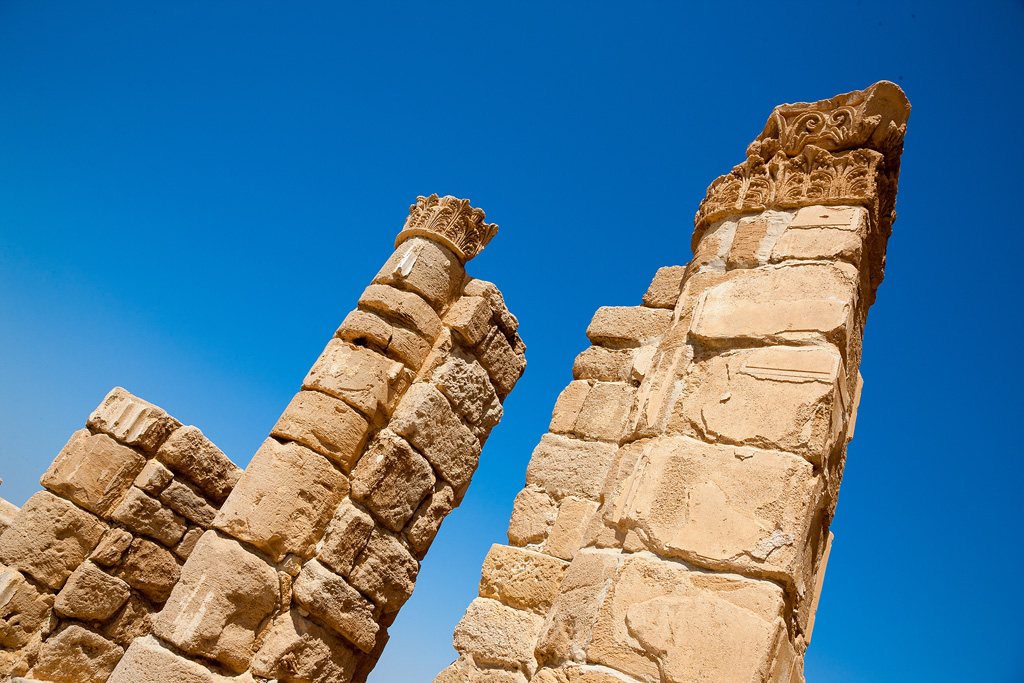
column 147, row 661
column 144, row 514
column 224, row 593
column 818, row 243
column 503, row 364
column 570, row 623
column 567, row 532
column 285, row 499
column 364, row 379
column 327, row 425
column 385, row 571
column 8, row 511
column 346, row 537
column 470, row 319
column 783, row 398
column 363, row 328
column 182, row 499
column 604, row 411
column 328, row 597
column 154, row 477
column 425, row 267
column 850, row 218
column 428, row 517
column 133, row 621
column 76, row 655
column 489, row 291
column 93, row 471
column 133, row 421
column 50, row 537
column 23, row 609
column 497, row 635
column 391, row 479
column 533, row 513
column 568, row 467
column 568, row 406
column 627, row 326
column 664, row 289
column 521, row 578
column 150, row 569
column 427, row 420
column 296, row 650
column 191, row 454
column 466, row 384
column 91, row 594
column 403, row 307
column 746, row 242
column 188, row 543
column 605, row 365
column 710, row 253
column 463, row 670
column 111, row 547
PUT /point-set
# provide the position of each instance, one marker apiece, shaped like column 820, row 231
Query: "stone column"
column 675, row 522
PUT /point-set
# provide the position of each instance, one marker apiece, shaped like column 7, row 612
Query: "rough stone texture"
column 363, row 328
column 595, row 410
column 154, row 477
column 605, row 365
column 91, row 594
column 391, row 479
column 489, row 291
column 132, row 421
column 296, row 650
column 329, row 598
column 111, row 547
column 385, row 571
column 76, row 655
column 147, row 661
column 364, row 379
column 346, row 537
column 521, row 578
column 93, row 471
column 425, row 267
column 183, row 500
column 501, row 361
column 470, row 319
column 428, row 517
column 187, row 543
column 627, row 326
column 567, row 532
column 23, row 608
column 533, row 512
column 191, row 454
column 150, row 569
column 467, row 386
column 498, row 635
column 8, row 511
column 567, row 467
column 327, row 425
column 146, row 515
column 664, row 289
column 405, row 308
column 133, row 621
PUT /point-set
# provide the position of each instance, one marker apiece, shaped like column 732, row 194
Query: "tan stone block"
column 144, row 514
column 188, row 543
column 848, row 218
column 605, row 365
column 567, row 532
column 370, row 330
column 818, row 243
column 133, row 621
column 91, row 594
column 428, row 517
column 568, row 467
column 570, row 622
column 403, row 307
column 150, row 569
column 808, row 607
column 521, row 578
column 533, row 513
column 627, row 326
column 427, row 420
column 502, row 363
column 605, row 411
column 111, row 547
column 296, row 650
column 391, row 479
column 364, row 379
column 8, row 511
column 191, row 454
column 285, row 499
column 23, row 609
column 468, row 387
column 224, row 593
column 154, row 477
column 385, row 571
column 327, row 425
column 131, row 420
column 182, row 499
column 664, row 289
column 328, row 597
column 50, row 537
column 346, row 537
column 495, row 634
column 568, row 406
column 423, row 266
column 746, row 243
column 76, row 655
column 488, row 290
column 470, row 319
column 93, row 471
column 464, row 671
column 147, row 661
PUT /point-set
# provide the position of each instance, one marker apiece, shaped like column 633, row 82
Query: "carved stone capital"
column 450, row 221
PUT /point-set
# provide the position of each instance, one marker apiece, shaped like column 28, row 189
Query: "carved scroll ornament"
column 450, row 221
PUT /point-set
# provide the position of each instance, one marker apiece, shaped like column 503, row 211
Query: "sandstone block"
column 23, row 609
column 427, row 420
column 466, row 384
column 366, row 329
column 364, row 379
column 49, row 539
column 568, row 467
column 191, row 454
column 664, row 289
column 133, row 621
column 746, row 250
column 818, row 243
column 489, row 291
column 224, row 593
column 327, row 425
column 154, row 477
column 568, row 406
column 404, row 307
column 285, row 499
column 503, row 364
column 605, row 365
column 385, row 571
column 428, row 517
column 188, row 543
column 533, row 513
column 521, row 578
column 297, row 650
column 627, row 326
column 425, row 267
column 150, row 569
column 391, row 479
column 91, row 594
column 76, row 655
column 596, row 410
column 570, row 623
column 470, row 319
column 111, row 547
column 328, row 597
column 463, row 670
column 8, row 511
column 851, row 218
column 147, row 661
column 133, row 421
column 495, row 634
column 93, row 471
column 144, row 514
column 346, row 537
column 183, row 500
column 567, row 532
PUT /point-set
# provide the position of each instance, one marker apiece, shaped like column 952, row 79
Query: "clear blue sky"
column 193, row 194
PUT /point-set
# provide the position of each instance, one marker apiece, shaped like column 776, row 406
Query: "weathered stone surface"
column 753, row 239
column 605, row 365
column 664, row 289
column 364, row 379
column 147, row 661
column 183, row 500
column 850, row 218
column 470, row 319
column 593, row 410
column 391, row 479
column 495, row 634
column 49, row 539
column 570, row 623
column 367, row 329
column 427, row 420
column 191, row 454
column 568, row 406
column 466, row 384
column 188, row 542
column 23, row 609
column 154, row 477
column 533, row 513
column 423, row 266
column 627, row 326
column 328, row 597
column 428, row 517
column 76, row 655
column 133, row 621
column 285, row 499
column 111, row 547
column 818, row 243
column 385, row 571
column 150, row 569
column 224, row 593
column 93, row 471
column 565, row 467
column 489, row 291
column 567, row 532
column 144, row 514
column 502, row 363
column 403, row 307
column 327, row 425
column 8, row 511
column 463, row 670
column 131, row 420
column 91, row 594
column 521, row 578
column 296, row 650
column 346, row 537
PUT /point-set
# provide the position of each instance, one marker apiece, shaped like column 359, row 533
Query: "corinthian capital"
column 450, row 221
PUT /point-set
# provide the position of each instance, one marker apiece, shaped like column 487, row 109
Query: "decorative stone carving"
column 450, row 221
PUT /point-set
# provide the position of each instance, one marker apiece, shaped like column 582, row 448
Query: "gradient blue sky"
column 192, row 196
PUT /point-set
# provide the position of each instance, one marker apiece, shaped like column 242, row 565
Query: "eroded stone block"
column 567, row 532
column 428, row 517
column 183, row 500
column 364, row 379
column 146, row 515
column 405, row 307
column 191, row 454
column 495, row 634
column 627, row 326
column 521, row 578
column 133, row 421
column 533, row 513
column 391, row 479
column 133, row 621
column 502, row 363
column 564, row 467
column 425, row 267
column 147, row 661
column 23, row 609
column 385, row 571
column 154, row 477
column 150, row 569
column 570, row 623
column 328, row 597
column 91, row 594
column 605, row 365
column 111, row 547
column 327, row 425
column 346, row 537
column 466, row 384
column 470, row 319
column 489, row 291
column 664, row 289
column 76, row 655
column 367, row 329
column 296, row 650
column 93, row 471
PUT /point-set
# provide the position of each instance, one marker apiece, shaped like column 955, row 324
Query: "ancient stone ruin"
column 675, row 522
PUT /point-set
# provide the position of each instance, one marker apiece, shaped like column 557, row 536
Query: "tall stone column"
column 675, row 522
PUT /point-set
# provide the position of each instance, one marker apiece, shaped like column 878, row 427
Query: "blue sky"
column 192, row 196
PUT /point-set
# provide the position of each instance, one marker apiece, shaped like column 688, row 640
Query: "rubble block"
column 604, row 365
column 148, row 661
column 468, row 387
column 346, row 537
column 151, row 569
column 91, row 594
column 593, row 410
column 327, row 425
column 146, row 515
column 93, row 471
column 495, row 301
column 111, row 547
column 407, row 308
column 385, row 571
column 502, row 362
column 497, row 635
column 297, row 650
column 533, row 513
column 195, row 457
column 564, row 467
column 23, row 609
column 76, row 655
column 329, row 598
column 364, row 328
column 566, row 533
column 470, row 319
column 463, row 670
column 521, row 578
column 182, row 499
column 664, row 289
column 427, row 519
column 627, row 326
column 153, row 478
column 133, row 621
column 364, row 379
column 132, row 421
column 391, row 479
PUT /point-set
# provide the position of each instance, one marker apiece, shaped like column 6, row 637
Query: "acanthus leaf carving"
column 450, row 221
